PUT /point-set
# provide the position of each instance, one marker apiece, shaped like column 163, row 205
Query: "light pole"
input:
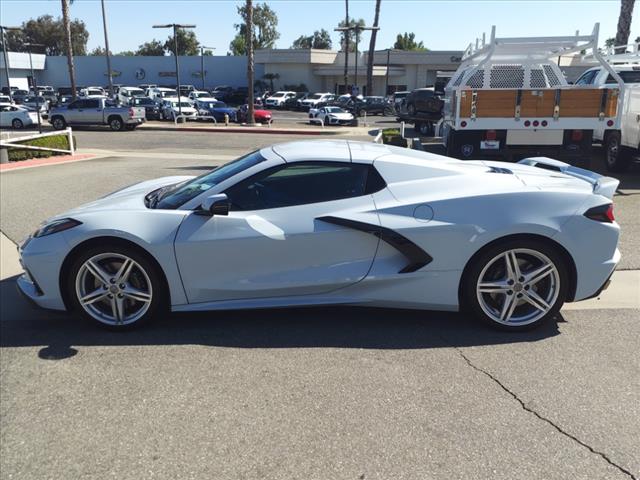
column 386, row 89
column 175, row 27
column 357, row 29
column 6, row 57
column 106, row 46
column 202, row 49
column 33, row 82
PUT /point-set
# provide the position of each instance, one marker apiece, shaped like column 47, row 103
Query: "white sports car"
column 334, row 222
column 330, row 116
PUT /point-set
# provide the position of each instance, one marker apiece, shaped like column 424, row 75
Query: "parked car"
column 222, row 92
column 34, row 103
column 126, row 94
column 93, row 92
column 6, row 99
column 97, row 111
column 16, row 116
column 331, row 116
column 316, row 100
column 259, row 114
column 423, row 100
column 398, row 98
column 19, row 96
column 195, row 94
column 214, row 108
column 277, row 99
column 374, row 106
column 151, row 108
column 171, row 108
column 157, row 94
column 147, row 86
column 185, row 90
column 344, row 222
column 293, row 103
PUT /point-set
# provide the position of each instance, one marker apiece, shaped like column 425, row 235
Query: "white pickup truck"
column 620, row 144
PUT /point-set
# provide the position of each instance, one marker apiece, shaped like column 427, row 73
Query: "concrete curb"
column 255, row 130
column 41, row 162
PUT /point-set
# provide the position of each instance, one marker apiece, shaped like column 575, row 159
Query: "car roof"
column 330, row 150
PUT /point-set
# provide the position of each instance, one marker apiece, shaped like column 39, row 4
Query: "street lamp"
column 30, row 46
column 175, row 27
column 357, row 29
column 202, row 49
column 106, row 47
column 6, row 57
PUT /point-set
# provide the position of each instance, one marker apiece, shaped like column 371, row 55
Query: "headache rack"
column 516, row 83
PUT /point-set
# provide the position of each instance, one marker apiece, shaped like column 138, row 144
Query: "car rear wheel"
column 517, row 285
column 17, row 123
column 115, row 287
column 617, row 159
column 115, row 123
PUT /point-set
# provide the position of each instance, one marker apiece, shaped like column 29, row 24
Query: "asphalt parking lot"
column 344, row 393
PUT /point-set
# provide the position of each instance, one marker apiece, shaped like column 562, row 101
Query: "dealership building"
column 319, row 70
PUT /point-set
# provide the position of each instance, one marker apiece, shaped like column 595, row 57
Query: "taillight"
column 576, row 135
column 490, row 135
column 601, row 213
column 132, row 112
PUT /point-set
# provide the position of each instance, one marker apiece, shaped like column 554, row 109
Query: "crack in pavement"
column 540, row 417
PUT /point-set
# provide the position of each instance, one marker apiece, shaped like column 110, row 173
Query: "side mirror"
column 216, row 205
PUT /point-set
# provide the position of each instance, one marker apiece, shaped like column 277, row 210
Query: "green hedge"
column 392, row 136
column 55, row 141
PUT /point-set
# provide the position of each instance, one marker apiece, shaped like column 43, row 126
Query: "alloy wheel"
column 17, row 123
column 113, row 289
column 518, row 287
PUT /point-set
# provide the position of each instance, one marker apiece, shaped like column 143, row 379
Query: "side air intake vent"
column 501, row 170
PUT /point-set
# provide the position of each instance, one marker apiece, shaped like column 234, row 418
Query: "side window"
column 92, row 104
column 303, row 183
column 587, row 78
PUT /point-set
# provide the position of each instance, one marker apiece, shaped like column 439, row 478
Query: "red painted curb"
column 38, row 162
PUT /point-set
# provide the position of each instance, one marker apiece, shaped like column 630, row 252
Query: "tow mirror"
column 215, row 205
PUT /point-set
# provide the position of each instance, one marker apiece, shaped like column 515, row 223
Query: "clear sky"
column 441, row 25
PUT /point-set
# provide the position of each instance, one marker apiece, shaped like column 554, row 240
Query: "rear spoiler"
column 605, row 186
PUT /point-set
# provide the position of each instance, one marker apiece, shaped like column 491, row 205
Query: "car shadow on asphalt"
column 60, row 334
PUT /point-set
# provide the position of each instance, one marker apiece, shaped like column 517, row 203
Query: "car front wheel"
column 59, row 123
column 17, row 123
column 517, row 285
column 115, row 287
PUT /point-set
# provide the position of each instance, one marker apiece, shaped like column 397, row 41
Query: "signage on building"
column 455, row 59
column 166, row 74
column 198, row 73
column 140, row 74
column 114, row 73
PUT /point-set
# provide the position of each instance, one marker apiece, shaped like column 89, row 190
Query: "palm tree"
column 271, row 77
column 67, row 40
column 624, row 22
column 372, row 49
column 250, row 72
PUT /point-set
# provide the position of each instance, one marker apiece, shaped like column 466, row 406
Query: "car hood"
column 128, row 198
column 340, row 115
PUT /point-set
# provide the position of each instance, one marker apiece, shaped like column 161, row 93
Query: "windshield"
column 183, row 192
column 334, row 110
column 630, row 76
column 168, row 93
column 315, row 96
column 182, row 104
column 278, row 95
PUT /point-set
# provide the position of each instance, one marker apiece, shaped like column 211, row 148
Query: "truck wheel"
column 115, row 123
column 615, row 157
column 58, row 123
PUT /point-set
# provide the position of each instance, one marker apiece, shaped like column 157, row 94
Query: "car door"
column 92, row 111
column 274, row 243
column 5, row 116
column 72, row 115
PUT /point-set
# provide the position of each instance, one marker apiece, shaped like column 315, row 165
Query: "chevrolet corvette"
column 340, row 222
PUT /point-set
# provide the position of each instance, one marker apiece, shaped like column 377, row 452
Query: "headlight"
column 56, row 226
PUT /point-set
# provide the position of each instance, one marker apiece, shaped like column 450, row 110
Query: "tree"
column 350, row 37
column 98, row 52
column 154, row 48
column 372, row 48
column 264, row 25
column 126, row 53
column 50, row 32
column 624, row 22
column 187, row 43
column 609, row 42
column 271, row 77
column 637, row 40
column 320, row 40
column 407, row 41
column 69, row 46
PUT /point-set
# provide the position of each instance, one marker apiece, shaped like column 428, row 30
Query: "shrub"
column 392, row 136
column 55, row 141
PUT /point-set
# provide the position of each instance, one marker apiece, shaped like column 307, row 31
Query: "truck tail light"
column 131, row 112
column 576, row 135
column 490, row 135
column 601, row 213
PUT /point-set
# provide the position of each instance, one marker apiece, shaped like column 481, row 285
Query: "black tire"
column 469, row 295
column 58, row 123
column 116, row 124
column 159, row 302
column 616, row 157
column 17, row 124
